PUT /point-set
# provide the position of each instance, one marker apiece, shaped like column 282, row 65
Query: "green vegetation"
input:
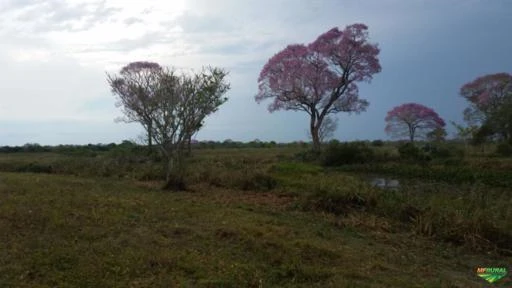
column 336, row 153
column 251, row 217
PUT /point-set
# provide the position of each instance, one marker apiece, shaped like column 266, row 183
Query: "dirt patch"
column 149, row 184
column 229, row 196
column 253, row 198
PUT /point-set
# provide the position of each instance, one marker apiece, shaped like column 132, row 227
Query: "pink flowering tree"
column 490, row 99
column 412, row 120
column 321, row 78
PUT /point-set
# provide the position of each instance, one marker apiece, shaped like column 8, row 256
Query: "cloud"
column 132, row 20
column 56, row 52
column 58, row 15
column 54, row 89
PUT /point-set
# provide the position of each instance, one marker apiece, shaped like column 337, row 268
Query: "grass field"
column 250, row 218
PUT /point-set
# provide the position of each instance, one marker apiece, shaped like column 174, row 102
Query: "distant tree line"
column 134, row 147
column 131, row 146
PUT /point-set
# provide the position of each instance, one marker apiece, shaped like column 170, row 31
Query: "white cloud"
column 47, row 90
column 54, row 53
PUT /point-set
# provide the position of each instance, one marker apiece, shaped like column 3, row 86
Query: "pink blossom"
column 489, row 91
column 412, row 119
column 322, row 74
column 321, row 78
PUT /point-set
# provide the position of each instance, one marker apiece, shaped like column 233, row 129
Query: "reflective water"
column 384, row 183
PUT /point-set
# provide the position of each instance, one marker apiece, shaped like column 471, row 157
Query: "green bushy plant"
column 377, row 143
column 504, row 149
column 258, row 181
column 411, row 152
column 308, row 156
column 336, row 154
column 445, row 151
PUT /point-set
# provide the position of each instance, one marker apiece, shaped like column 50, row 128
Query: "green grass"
column 310, row 228
column 74, row 232
column 493, row 175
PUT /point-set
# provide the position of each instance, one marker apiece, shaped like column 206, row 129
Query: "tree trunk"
column 150, row 138
column 314, row 133
column 174, row 175
column 189, row 145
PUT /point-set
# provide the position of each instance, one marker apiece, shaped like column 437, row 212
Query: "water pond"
column 382, row 182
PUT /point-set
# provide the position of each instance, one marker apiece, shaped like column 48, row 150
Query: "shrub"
column 429, row 148
column 444, row 151
column 295, row 168
column 377, row 143
column 35, row 168
column 308, row 156
column 453, row 161
column 411, row 152
column 257, row 182
column 337, row 203
column 469, row 227
column 336, row 154
column 504, row 149
column 338, row 195
column 385, row 154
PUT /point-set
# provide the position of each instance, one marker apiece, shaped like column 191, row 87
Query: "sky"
column 55, row 55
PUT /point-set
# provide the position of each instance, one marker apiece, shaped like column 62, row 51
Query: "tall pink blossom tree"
column 321, row 78
column 490, row 99
column 412, row 120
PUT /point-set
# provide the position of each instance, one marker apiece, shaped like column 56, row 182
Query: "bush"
column 504, row 149
column 411, row 152
column 35, row 168
column 471, row 227
column 377, row 143
column 295, row 168
column 453, row 161
column 337, row 194
column 385, row 154
column 257, row 182
column 308, row 156
column 429, row 148
column 444, row 152
column 336, row 154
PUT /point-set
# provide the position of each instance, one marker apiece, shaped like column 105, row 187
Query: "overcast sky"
column 54, row 56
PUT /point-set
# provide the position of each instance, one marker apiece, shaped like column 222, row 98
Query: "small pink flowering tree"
column 412, row 120
column 321, row 78
column 490, row 99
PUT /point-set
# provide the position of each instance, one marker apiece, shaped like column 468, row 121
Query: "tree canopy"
column 412, row 120
column 490, row 99
column 321, row 78
column 171, row 106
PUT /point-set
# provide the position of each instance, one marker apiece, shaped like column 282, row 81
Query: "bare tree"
column 170, row 106
column 135, row 88
column 208, row 81
column 189, row 140
column 183, row 101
